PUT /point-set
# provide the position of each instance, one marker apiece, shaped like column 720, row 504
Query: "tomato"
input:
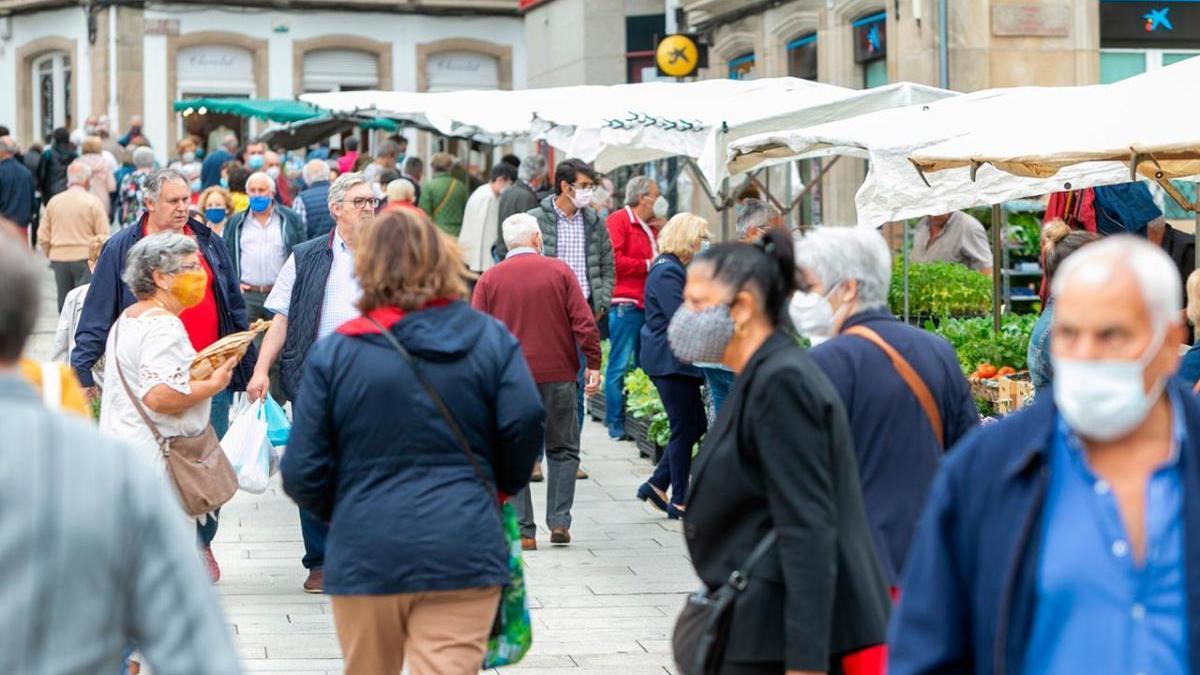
column 986, row 371
column 1006, row 370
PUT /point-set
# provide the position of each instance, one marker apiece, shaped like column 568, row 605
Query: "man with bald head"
column 259, row 241
column 1064, row 538
column 16, row 185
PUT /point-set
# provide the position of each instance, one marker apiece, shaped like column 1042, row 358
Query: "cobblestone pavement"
column 603, row 604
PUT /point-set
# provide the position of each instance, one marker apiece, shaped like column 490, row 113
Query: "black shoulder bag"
column 702, row 628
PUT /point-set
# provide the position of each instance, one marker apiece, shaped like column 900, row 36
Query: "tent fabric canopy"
column 1126, row 121
column 1047, row 139
column 622, row 124
column 285, row 111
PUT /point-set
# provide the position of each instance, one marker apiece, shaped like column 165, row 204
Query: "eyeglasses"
column 363, row 202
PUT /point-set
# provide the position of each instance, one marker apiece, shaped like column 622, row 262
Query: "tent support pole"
column 719, row 201
column 726, row 226
column 825, row 167
column 904, row 254
column 997, row 263
column 787, row 210
column 767, row 193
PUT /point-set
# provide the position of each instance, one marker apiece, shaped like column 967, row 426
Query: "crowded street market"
column 803, row 342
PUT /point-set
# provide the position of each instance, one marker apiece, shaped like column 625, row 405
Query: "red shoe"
column 210, row 561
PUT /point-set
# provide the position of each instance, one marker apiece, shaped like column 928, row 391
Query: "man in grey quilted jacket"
column 95, row 553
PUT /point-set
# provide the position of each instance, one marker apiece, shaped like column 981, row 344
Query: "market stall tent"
column 617, row 125
column 1147, row 122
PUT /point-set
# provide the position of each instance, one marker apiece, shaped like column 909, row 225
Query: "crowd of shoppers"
column 856, row 465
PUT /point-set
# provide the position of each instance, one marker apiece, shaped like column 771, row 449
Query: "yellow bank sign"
column 680, row 55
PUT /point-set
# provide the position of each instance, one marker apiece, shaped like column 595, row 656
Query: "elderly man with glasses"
column 316, row 292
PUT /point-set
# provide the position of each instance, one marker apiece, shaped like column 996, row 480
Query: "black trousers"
column 680, row 395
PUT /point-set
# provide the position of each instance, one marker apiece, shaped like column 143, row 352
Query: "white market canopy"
column 992, row 146
column 1148, row 121
column 616, row 125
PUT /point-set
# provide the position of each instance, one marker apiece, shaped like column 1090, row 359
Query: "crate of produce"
column 1005, row 392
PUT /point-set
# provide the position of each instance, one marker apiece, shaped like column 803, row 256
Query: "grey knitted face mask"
column 700, row 336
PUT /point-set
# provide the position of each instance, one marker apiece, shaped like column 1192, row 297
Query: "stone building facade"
column 61, row 62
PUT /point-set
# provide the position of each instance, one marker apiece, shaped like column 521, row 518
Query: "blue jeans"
column 219, row 419
column 624, row 326
column 719, row 382
column 313, row 531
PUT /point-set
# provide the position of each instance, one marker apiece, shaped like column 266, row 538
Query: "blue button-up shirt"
column 1097, row 611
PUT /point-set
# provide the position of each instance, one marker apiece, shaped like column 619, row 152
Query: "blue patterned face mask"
column 700, row 336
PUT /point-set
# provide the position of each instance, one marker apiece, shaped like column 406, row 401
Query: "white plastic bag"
column 248, row 448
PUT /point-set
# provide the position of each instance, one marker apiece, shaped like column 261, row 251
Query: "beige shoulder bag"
column 198, row 467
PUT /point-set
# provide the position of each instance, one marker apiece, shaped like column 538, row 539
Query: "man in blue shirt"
column 1060, row 539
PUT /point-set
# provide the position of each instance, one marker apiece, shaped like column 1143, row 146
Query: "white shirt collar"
column 339, row 243
column 520, row 250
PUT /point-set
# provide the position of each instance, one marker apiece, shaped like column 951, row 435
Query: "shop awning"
column 284, row 111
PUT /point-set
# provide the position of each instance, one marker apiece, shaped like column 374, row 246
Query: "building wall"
column 992, row 43
column 148, row 42
column 31, row 36
column 573, row 42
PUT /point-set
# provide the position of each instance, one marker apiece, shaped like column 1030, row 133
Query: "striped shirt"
column 342, row 291
column 572, row 246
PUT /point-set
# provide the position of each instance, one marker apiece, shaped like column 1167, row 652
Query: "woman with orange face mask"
column 149, row 355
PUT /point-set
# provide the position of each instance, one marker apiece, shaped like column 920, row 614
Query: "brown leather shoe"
column 580, row 474
column 315, row 583
column 537, row 474
column 528, row 544
column 560, row 535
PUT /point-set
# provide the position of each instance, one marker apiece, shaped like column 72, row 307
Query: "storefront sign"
column 161, row 26
column 1032, row 19
column 870, row 37
column 679, row 55
column 207, row 65
column 452, row 71
column 1140, row 24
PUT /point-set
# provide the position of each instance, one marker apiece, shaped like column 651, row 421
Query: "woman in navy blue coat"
column 678, row 383
column 416, row 555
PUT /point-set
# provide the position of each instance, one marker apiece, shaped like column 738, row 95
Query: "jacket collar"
column 867, row 316
column 386, row 317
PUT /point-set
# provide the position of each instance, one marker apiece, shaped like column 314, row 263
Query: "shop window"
column 870, row 48
column 802, row 57
column 742, row 67
column 52, row 93
column 642, row 34
column 1119, row 64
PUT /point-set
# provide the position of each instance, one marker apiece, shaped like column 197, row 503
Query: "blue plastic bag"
column 278, row 426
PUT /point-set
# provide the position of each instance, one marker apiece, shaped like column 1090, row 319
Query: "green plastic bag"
column 512, row 633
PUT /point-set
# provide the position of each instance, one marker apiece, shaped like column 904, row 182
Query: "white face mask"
column 582, row 198
column 273, row 172
column 812, row 315
column 660, row 207
column 1105, row 400
column 188, row 157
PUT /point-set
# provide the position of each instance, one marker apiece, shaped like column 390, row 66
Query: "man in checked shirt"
column 574, row 233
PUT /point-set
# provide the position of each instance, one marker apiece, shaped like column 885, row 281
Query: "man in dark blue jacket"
column 16, row 185
column 848, row 271
column 312, row 204
column 1065, row 538
column 210, row 170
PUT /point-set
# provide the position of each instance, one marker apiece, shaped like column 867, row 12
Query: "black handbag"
column 702, row 628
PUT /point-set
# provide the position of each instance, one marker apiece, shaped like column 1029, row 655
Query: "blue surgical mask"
column 255, row 162
column 215, row 215
column 225, row 183
column 196, row 185
column 260, row 203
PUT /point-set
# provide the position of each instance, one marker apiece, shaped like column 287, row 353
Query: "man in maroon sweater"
column 540, row 301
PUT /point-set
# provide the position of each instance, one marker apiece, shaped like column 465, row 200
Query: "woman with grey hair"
column 130, row 195
column 149, row 355
column 903, row 389
column 150, row 347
